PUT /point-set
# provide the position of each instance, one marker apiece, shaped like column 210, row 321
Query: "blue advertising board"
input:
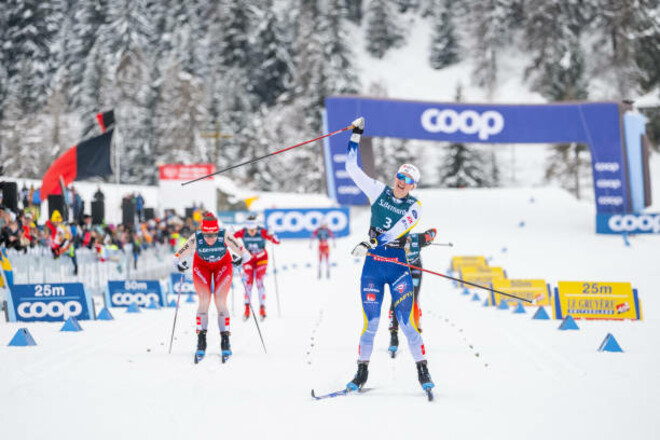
column 597, row 124
column 187, row 287
column 49, row 302
column 301, row 223
column 647, row 223
column 139, row 292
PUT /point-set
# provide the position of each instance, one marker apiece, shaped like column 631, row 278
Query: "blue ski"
column 343, row 392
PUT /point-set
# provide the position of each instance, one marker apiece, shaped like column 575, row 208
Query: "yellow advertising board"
column 531, row 289
column 474, row 260
column 596, row 300
column 483, row 276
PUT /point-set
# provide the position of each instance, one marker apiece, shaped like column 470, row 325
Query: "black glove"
column 236, row 260
column 358, row 125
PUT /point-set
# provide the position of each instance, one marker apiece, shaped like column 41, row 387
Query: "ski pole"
column 277, row 291
column 176, row 312
column 443, row 244
column 258, row 329
column 395, row 261
column 268, row 155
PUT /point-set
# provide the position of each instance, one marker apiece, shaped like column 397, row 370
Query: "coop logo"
column 610, row 167
column 608, row 183
column 371, row 297
column 647, row 223
column 120, row 299
column 300, row 223
column 449, row 121
column 348, row 189
column 186, row 287
column 610, row 200
column 53, row 309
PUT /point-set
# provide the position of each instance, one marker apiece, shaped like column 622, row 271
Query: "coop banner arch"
column 597, row 124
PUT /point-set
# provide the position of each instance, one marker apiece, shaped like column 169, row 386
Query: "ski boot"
column 262, row 312
column 246, row 314
column 425, row 378
column 360, row 377
column 225, row 346
column 394, row 343
column 201, row 346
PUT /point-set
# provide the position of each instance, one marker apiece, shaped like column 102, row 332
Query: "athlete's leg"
column 401, row 288
column 371, row 292
column 260, row 273
column 248, row 279
column 417, row 285
column 202, row 283
column 222, row 277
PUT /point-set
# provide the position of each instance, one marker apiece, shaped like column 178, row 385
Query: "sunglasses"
column 407, row 179
column 210, row 235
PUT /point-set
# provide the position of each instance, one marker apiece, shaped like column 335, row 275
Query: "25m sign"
column 48, row 302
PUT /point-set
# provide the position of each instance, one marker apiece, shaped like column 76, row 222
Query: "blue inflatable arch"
column 597, row 124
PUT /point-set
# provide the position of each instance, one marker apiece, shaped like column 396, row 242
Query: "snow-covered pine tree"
column 179, row 114
column 462, row 167
column 272, row 71
column 444, row 43
column 354, row 8
column 87, row 17
column 647, row 44
column 28, row 45
column 553, row 36
column 570, row 166
column 94, row 92
column 341, row 74
column 490, row 27
column 309, row 78
column 125, row 38
column 382, row 31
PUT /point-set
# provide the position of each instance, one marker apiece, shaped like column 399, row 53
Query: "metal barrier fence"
column 39, row 266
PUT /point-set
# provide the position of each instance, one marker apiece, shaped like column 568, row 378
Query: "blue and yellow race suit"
column 391, row 219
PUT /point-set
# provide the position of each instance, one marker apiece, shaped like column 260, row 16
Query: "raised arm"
column 370, row 187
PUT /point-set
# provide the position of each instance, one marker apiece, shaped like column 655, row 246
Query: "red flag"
column 87, row 159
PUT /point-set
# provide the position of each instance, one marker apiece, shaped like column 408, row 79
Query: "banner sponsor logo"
column 611, row 167
column 471, row 260
column 348, row 189
column 629, row 223
column 450, row 121
column 483, row 276
column 185, row 172
column 596, row 300
column 48, row 302
column 610, row 200
column 301, row 223
column 186, row 288
column 608, row 183
column 530, row 289
column 139, row 292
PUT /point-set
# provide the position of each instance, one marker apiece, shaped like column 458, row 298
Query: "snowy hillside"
column 498, row 375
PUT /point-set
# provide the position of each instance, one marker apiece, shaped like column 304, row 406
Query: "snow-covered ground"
column 497, row 375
